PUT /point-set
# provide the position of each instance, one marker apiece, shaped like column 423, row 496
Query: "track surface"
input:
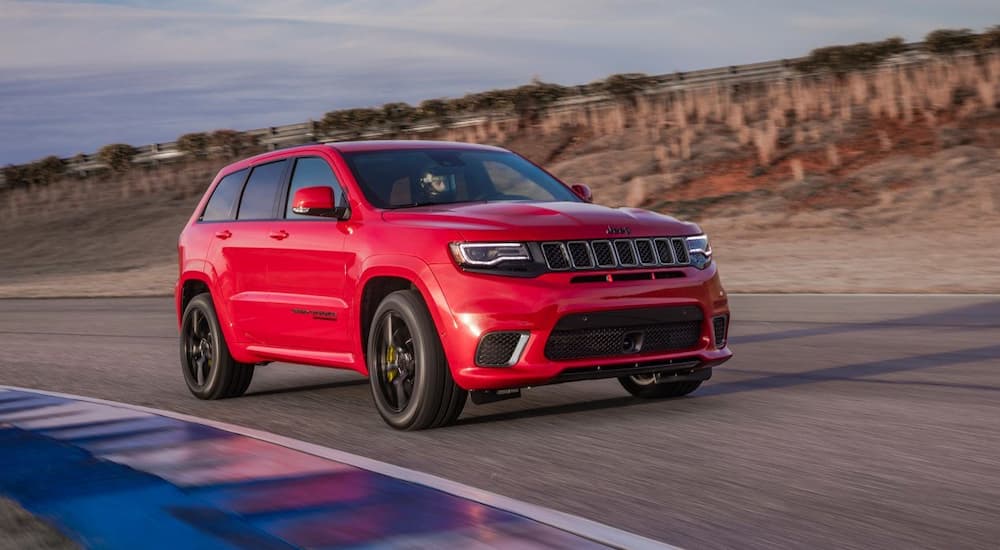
column 847, row 421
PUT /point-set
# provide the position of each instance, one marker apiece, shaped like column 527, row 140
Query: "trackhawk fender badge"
column 316, row 314
column 618, row 230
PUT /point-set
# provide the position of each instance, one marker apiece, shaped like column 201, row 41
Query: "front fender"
column 419, row 274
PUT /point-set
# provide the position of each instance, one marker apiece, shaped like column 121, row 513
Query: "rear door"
column 307, row 269
column 245, row 252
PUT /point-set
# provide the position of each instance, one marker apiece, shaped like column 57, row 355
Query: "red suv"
column 439, row 269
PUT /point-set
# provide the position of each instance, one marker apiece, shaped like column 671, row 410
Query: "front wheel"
column 646, row 386
column 410, row 380
column 209, row 370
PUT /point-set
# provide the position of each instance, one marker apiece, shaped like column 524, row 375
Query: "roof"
column 356, row 146
column 383, row 145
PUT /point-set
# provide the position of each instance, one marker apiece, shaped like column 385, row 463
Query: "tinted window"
column 401, row 178
column 311, row 172
column 260, row 192
column 220, row 206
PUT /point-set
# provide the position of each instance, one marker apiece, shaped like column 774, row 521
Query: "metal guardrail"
column 276, row 137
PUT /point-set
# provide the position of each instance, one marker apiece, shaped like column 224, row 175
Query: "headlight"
column 699, row 251
column 486, row 255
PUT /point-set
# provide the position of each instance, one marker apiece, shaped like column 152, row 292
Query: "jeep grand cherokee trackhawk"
column 439, row 269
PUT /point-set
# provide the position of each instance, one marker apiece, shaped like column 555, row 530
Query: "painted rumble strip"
column 118, row 476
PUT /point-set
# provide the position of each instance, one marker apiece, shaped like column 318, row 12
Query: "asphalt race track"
column 846, row 421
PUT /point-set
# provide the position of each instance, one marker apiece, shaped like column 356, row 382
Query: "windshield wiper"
column 415, row 204
column 431, row 203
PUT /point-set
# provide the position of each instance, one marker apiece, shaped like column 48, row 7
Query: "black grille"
column 719, row 328
column 612, row 253
column 626, row 256
column 663, row 251
column 496, row 348
column 555, row 255
column 580, row 255
column 680, row 251
column 645, row 249
column 605, row 342
column 603, row 254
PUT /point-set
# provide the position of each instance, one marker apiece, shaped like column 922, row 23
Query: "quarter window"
column 310, row 172
column 261, row 191
column 220, row 206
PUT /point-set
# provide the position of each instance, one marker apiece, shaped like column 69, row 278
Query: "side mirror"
column 319, row 201
column 582, row 190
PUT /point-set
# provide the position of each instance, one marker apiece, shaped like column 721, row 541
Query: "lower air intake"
column 719, row 328
column 498, row 349
column 607, row 342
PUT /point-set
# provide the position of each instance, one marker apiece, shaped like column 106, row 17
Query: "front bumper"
column 479, row 304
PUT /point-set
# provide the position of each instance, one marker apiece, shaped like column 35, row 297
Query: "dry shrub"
column 687, row 136
column 930, row 118
column 987, row 93
column 636, row 192
column 884, row 143
column 745, row 135
column 736, row 119
column 766, row 142
column 799, row 136
column 833, row 156
column 798, row 172
column 662, row 154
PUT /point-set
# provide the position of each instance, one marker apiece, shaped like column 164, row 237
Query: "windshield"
column 405, row 178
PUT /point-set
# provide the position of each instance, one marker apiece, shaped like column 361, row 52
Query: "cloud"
column 74, row 76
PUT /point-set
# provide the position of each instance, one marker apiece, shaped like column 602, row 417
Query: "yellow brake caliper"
column 390, row 358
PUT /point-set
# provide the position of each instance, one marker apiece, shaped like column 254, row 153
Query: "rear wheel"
column 645, row 385
column 410, row 380
column 209, row 370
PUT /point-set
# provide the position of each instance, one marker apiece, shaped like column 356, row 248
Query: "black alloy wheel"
column 410, row 379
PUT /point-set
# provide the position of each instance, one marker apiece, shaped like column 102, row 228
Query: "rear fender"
column 200, row 273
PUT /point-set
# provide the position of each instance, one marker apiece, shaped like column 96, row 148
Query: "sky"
column 77, row 75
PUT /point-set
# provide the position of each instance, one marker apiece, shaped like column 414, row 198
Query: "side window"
column 220, row 206
column 310, row 172
column 261, row 191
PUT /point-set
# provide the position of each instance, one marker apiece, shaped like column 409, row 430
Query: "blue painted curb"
column 117, row 477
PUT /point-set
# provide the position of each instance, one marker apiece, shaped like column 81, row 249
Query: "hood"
column 533, row 221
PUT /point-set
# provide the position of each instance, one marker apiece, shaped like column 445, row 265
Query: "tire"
column 410, row 380
column 210, row 372
column 645, row 386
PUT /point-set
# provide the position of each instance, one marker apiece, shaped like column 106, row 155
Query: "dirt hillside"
column 881, row 182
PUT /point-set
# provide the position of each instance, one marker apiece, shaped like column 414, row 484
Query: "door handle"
column 278, row 235
column 224, row 234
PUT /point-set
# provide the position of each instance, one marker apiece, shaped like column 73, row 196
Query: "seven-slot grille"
column 615, row 253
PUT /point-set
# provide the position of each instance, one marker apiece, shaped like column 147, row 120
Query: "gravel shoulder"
column 19, row 530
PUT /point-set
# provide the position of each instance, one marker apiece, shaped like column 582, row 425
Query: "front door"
column 307, row 270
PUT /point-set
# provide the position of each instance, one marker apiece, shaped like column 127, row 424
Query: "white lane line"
column 598, row 532
column 48, row 411
column 94, row 415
